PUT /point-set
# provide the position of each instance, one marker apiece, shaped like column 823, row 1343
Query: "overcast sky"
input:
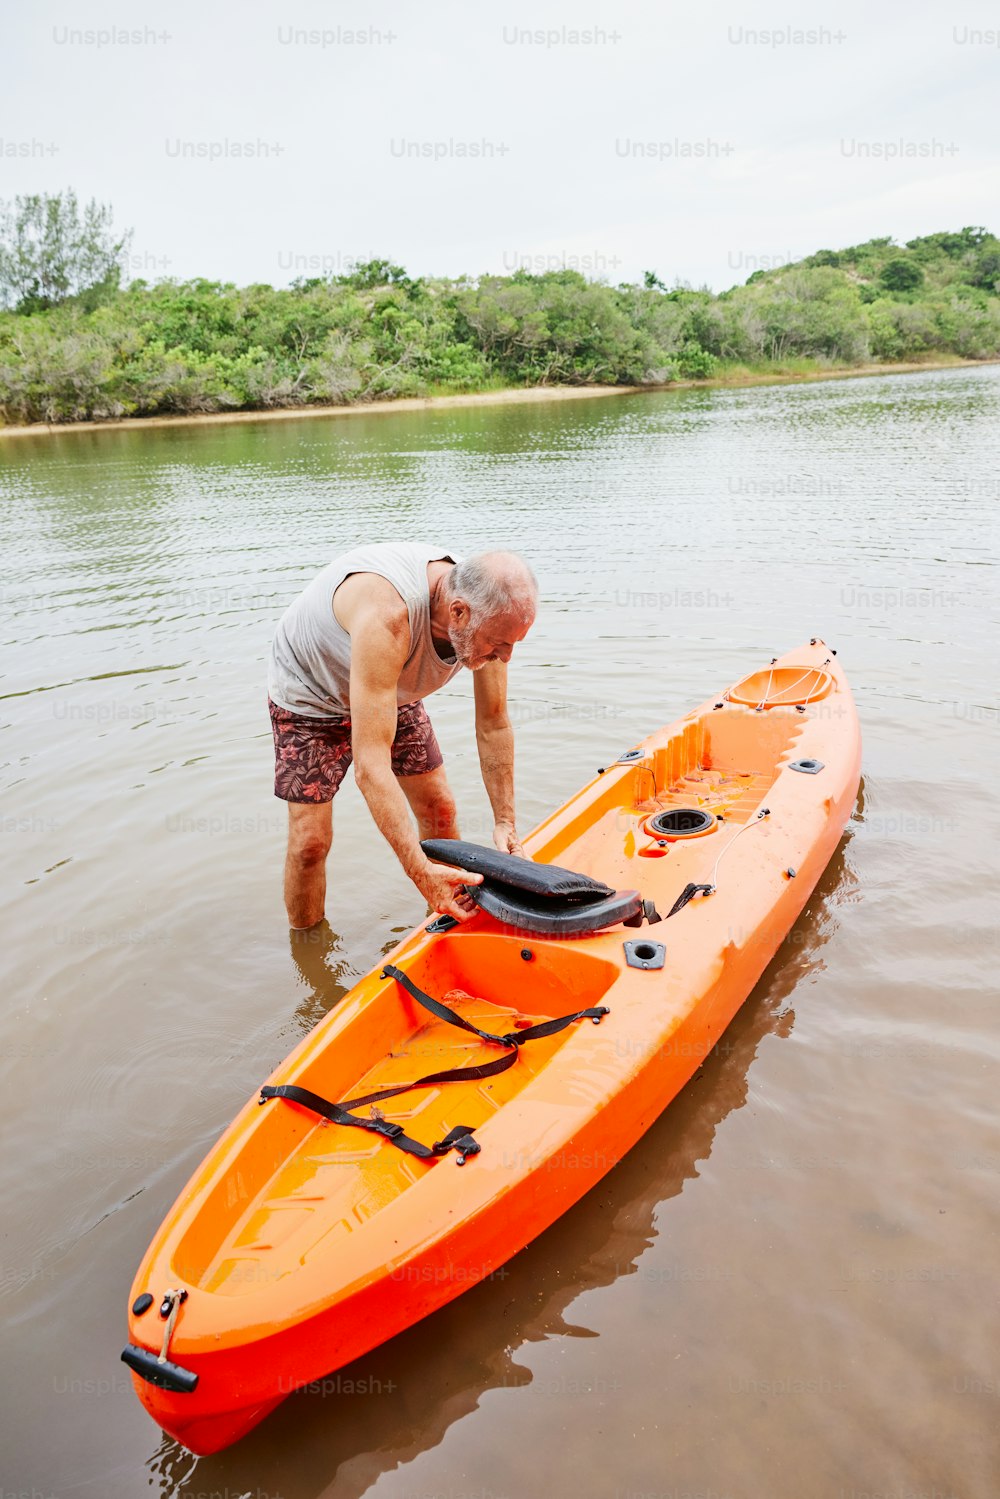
column 456, row 139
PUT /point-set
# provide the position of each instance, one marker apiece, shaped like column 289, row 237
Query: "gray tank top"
column 309, row 670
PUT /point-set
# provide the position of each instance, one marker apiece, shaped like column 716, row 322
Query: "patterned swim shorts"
column 313, row 755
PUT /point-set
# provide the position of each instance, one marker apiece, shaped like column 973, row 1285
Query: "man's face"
column 475, row 645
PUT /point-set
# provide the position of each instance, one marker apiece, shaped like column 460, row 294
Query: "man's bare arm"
column 495, row 740
column 379, row 646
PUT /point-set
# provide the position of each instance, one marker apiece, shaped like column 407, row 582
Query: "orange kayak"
column 477, row 1083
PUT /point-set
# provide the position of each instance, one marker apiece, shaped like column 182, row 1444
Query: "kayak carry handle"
column 164, row 1374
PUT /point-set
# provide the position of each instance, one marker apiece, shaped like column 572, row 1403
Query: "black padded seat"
column 556, row 918
column 523, row 874
column 540, row 898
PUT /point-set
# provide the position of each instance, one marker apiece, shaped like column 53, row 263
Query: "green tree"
column 51, row 250
column 899, row 274
column 986, row 269
column 955, row 246
column 695, row 363
column 371, row 273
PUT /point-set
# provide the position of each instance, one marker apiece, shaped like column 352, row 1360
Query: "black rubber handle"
column 165, row 1376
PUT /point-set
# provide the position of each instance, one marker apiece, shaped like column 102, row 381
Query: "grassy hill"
column 378, row 333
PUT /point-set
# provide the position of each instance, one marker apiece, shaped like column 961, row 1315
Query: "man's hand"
column 440, row 885
column 506, row 839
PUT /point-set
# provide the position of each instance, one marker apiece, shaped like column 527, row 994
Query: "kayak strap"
column 688, row 893
column 512, row 1038
column 459, row 1138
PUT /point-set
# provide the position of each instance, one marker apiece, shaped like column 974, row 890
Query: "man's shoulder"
column 369, row 600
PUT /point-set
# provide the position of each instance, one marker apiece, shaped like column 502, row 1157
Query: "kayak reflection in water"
column 352, row 659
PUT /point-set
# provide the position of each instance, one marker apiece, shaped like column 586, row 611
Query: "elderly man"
column 352, row 659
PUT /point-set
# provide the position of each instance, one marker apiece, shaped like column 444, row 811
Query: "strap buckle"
column 383, row 1126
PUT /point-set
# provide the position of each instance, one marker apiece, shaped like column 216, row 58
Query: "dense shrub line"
column 206, row 346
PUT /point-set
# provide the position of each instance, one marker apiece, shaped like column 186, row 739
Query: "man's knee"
column 438, row 811
column 442, row 806
column 310, row 851
column 309, row 844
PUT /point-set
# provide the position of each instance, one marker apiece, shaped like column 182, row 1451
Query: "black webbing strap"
column 459, row 1138
column 455, row 1075
column 442, row 1011
column 688, row 893
column 512, row 1038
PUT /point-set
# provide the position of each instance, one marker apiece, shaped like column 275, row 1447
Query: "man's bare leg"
column 310, row 834
column 432, row 803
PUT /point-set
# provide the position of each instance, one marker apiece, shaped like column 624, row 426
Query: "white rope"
column 767, row 689
column 812, row 671
column 175, row 1298
column 816, row 671
column 764, row 812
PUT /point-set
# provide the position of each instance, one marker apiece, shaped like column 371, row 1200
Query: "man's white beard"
column 461, row 637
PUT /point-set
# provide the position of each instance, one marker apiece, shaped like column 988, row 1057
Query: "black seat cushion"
column 507, row 870
column 527, row 912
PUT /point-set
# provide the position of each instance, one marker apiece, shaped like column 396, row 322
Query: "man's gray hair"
column 495, row 583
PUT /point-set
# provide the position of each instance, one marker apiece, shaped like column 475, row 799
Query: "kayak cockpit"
column 301, row 1183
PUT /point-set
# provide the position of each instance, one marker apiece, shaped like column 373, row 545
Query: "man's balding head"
column 493, row 600
column 493, row 584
